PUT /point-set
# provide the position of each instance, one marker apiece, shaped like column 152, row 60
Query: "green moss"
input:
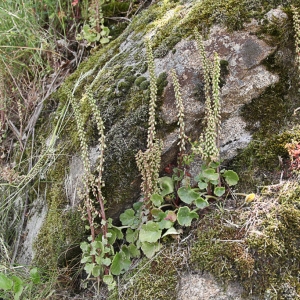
column 58, row 234
column 264, row 259
column 145, row 85
column 139, row 80
column 154, row 279
column 264, row 162
column 218, row 248
column 161, row 83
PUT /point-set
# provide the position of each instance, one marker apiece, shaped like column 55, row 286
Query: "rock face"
column 121, row 91
column 245, row 79
column 205, row 287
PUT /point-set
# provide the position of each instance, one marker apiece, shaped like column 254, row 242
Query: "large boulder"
column 253, row 67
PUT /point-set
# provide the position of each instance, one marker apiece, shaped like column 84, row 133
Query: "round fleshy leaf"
column 210, row 174
column 150, row 232
column 187, row 194
column 185, row 216
column 157, row 200
column 231, row 177
column 104, row 40
column 167, row 185
column 201, row 202
column 171, row 231
column 171, row 216
column 18, row 286
column 5, row 282
column 131, row 235
column 150, row 249
column 127, row 217
column 120, row 264
column 219, row 191
column 202, row 185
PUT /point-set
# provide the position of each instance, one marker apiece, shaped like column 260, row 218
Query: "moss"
column 264, row 162
column 145, row 85
column 152, row 279
column 265, row 257
column 58, row 234
column 219, row 249
column 161, row 83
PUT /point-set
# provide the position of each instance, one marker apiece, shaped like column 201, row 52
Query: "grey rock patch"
column 233, row 136
column 276, row 13
column 73, row 182
column 205, row 287
column 35, row 219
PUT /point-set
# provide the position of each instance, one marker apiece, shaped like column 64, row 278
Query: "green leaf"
column 116, row 266
column 137, row 205
column 96, row 271
column 157, row 200
column 210, row 174
column 89, row 268
column 187, row 194
column 131, row 235
column 35, row 276
column 134, row 251
column 120, row 264
column 219, row 191
column 86, row 259
column 85, row 247
column 113, row 236
column 17, row 287
column 104, row 40
column 214, row 164
column 202, row 185
column 171, row 230
column 150, row 249
column 201, row 202
column 150, row 232
column 165, row 224
column 108, row 279
column 125, row 252
column 231, row 177
column 185, row 216
column 96, row 245
column 128, row 217
column 119, row 233
column 155, row 212
column 5, row 282
column 167, row 185
column 106, row 261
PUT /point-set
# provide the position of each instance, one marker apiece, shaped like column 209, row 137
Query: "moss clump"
column 62, row 229
column 264, row 162
column 161, row 83
column 145, row 85
column 258, row 246
column 219, row 248
column 152, row 279
column 140, row 80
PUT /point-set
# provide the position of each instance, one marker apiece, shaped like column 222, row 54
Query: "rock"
column 246, row 79
column 205, row 287
column 35, row 218
column 119, row 80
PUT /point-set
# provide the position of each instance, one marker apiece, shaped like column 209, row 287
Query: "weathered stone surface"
column 35, row 218
column 246, row 79
column 205, row 287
